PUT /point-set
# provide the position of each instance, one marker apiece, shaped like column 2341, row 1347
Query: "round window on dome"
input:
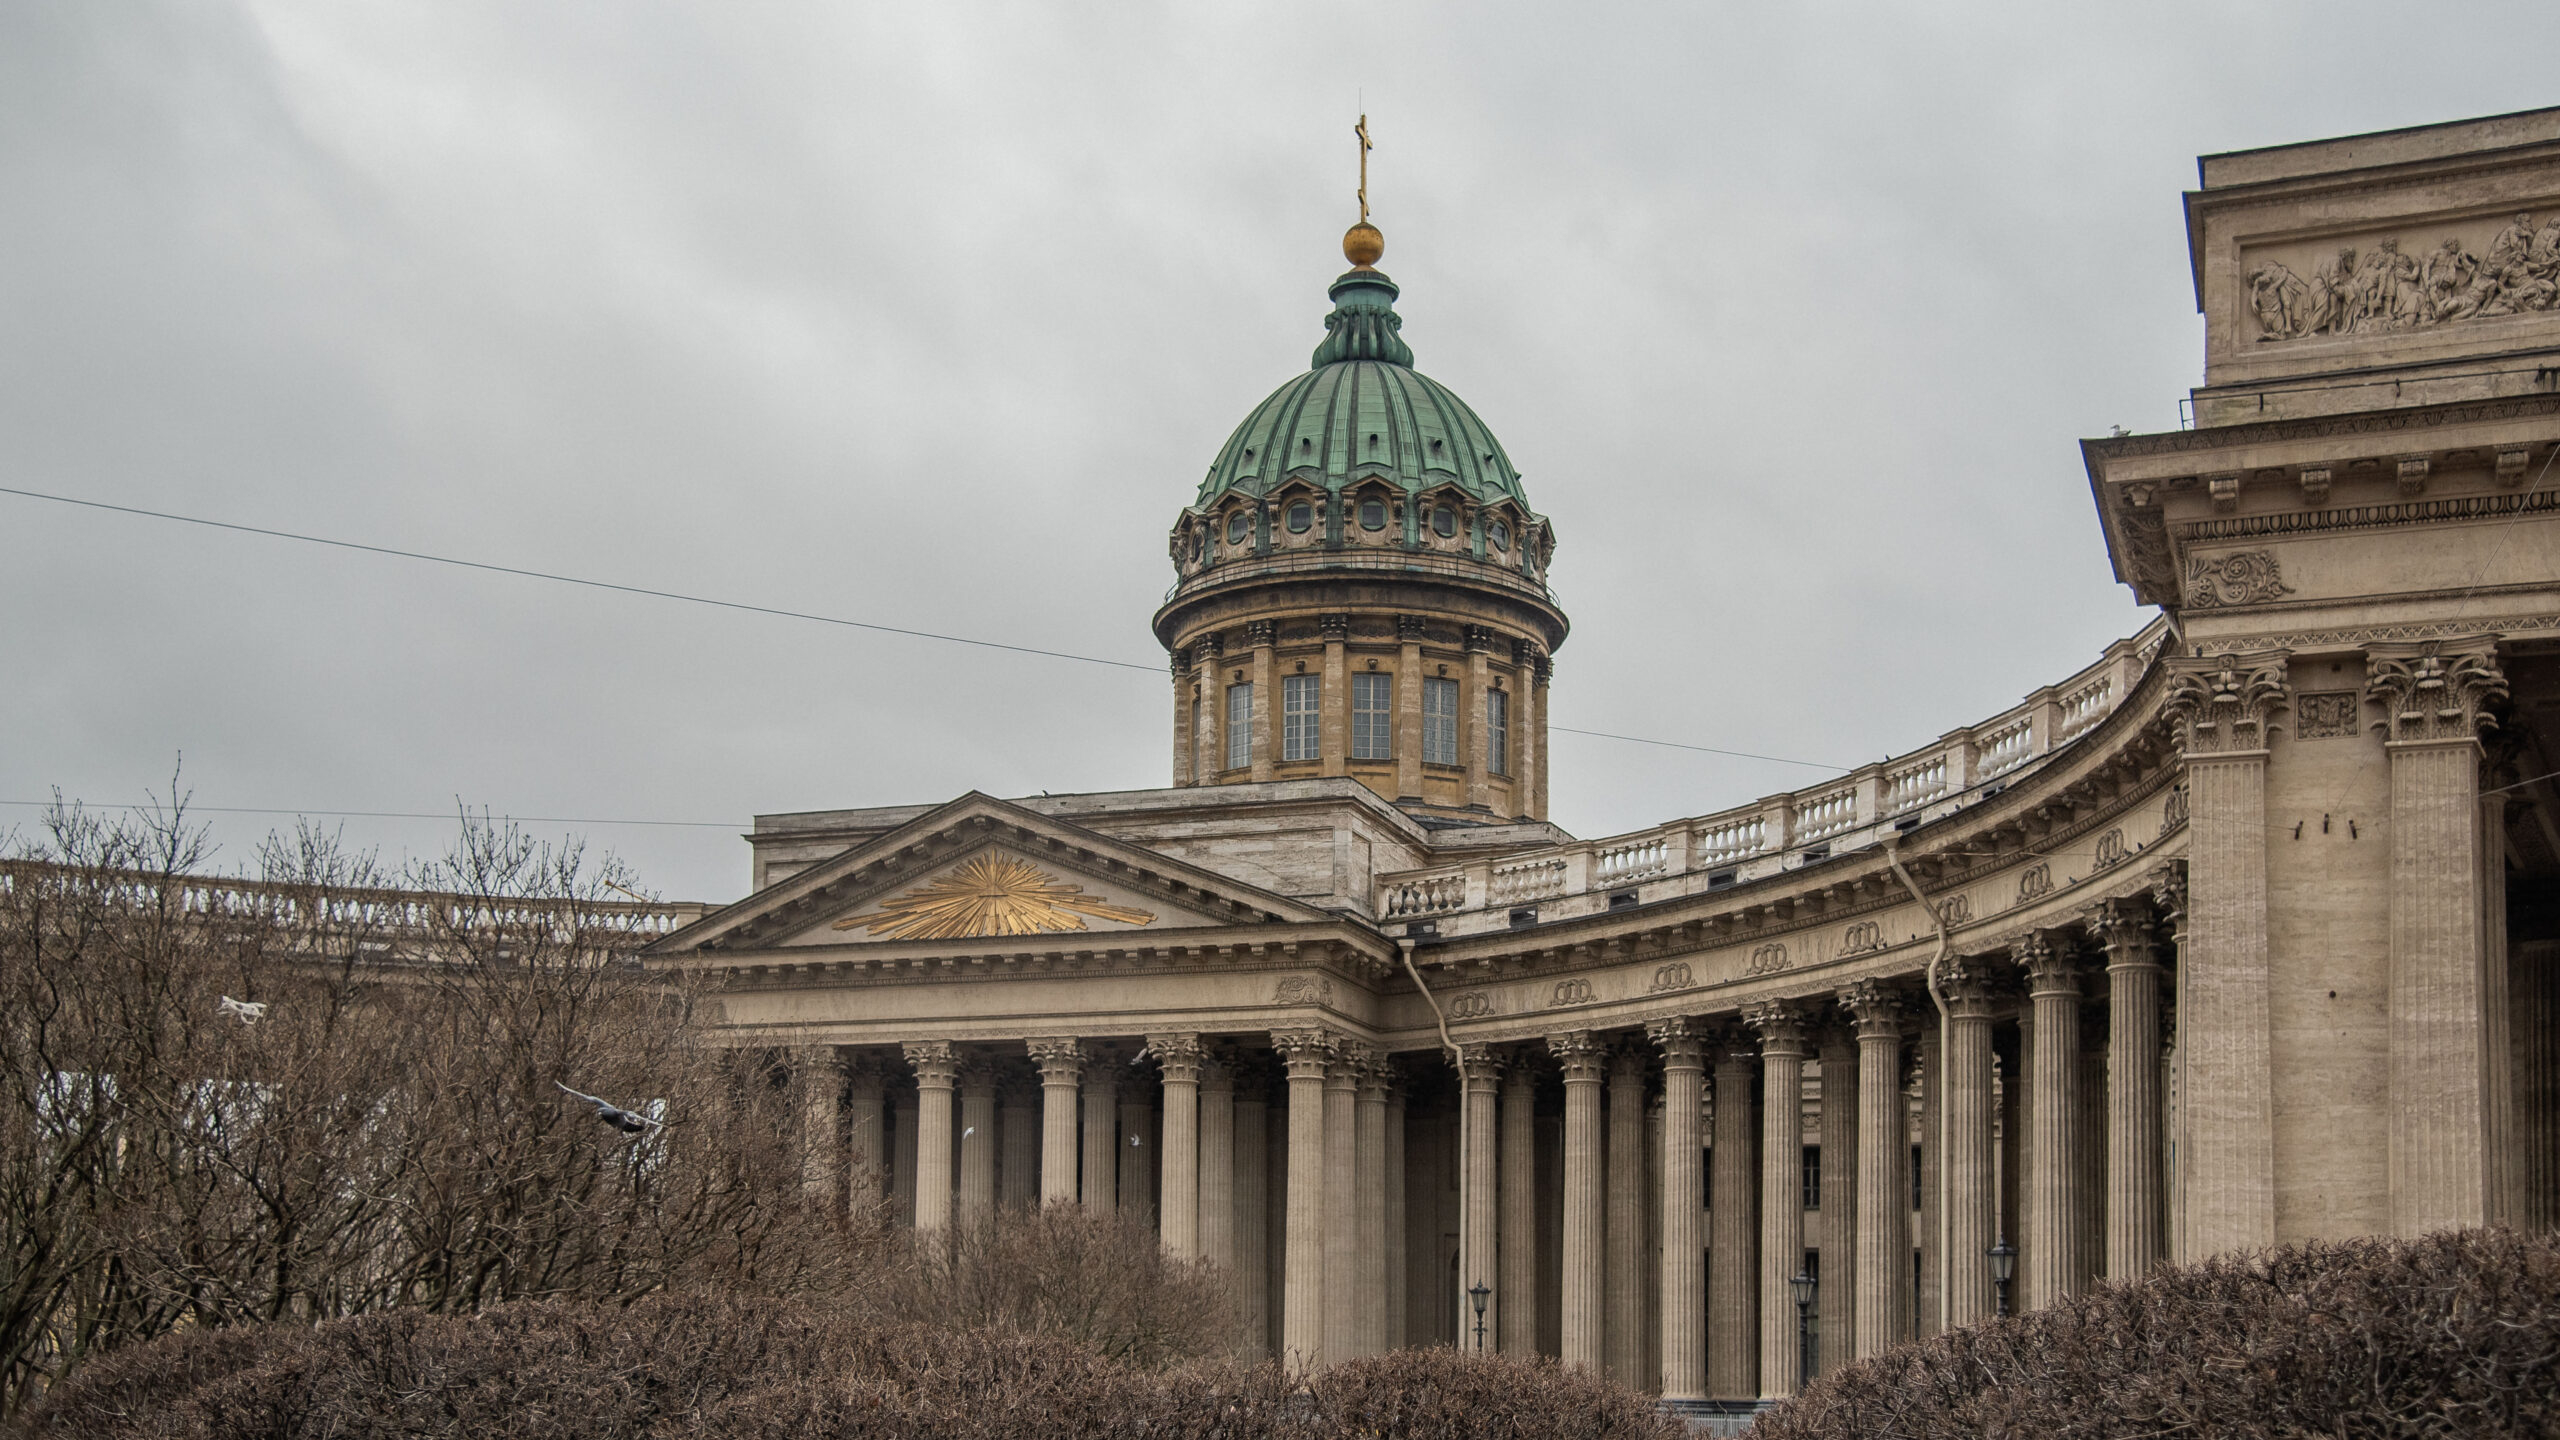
column 1236, row 525
column 1501, row 535
column 1444, row 522
column 1373, row 514
column 1302, row 516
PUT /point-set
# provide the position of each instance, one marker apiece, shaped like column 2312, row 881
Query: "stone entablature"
column 1784, row 832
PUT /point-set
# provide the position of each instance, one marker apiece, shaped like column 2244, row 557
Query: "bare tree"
column 331, row 1091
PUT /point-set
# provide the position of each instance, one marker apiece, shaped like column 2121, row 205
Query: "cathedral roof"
column 1363, row 411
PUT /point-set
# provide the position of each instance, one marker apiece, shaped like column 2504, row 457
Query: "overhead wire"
column 658, row 594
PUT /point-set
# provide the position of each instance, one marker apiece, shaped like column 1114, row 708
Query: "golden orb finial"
column 1362, row 244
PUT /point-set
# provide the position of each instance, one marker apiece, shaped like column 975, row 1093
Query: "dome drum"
column 1361, row 590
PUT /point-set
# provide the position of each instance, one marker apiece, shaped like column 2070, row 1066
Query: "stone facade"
column 2248, row 933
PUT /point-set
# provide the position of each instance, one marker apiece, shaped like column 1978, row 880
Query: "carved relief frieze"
column 2326, row 714
column 2436, row 689
column 1674, row 976
column 2384, row 289
column 1956, row 909
column 1767, row 959
column 1861, row 938
column 1572, row 991
column 2220, row 704
column 2424, row 630
column 1303, row 990
column 1473, row 1005
column 2329, row 427
column 2035, row 882
column 2367, row 517
column 2111, row 852
column 2245, row 577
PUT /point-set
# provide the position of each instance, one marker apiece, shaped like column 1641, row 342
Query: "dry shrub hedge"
column 2453, row 1334
column 733, row 1369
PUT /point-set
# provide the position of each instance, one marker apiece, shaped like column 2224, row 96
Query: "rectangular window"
column 1813, row 1177
column 1298, row 696
column 1497, row 731
column 1916, row 1187
column 1439, row 722
column 1239, row 726
column 1373, row 724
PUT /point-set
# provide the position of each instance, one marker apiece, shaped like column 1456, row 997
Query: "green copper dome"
column 1363, row 412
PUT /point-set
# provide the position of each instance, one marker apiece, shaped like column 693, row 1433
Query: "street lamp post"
column 2004, row 1263
column 1803, row 1286
column 1479, row 1292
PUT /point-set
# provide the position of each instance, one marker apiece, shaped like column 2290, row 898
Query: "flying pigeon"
column 249, row 1011
column 612, row 1114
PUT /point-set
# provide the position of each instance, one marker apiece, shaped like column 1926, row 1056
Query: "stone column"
column 1623, row 1291
column 1266, row 705
column 1253, row 1212
column 1308, row 1054
column 1479, row 1227
column 2534, row 1016
column 1343, row 1280
column 1185, row 693
column 977, row 1199
column 1061, row 1063
column 1928, row 1076
column 1527, row 729
column 1180, row 1056
column 1542, row 669
column 1782, row 1054
column 866, row 1138
column 1368, row 1285
column 2051, row 1264
column 821, row 1123
column 2218, row 708
column 1100, row 1188
column 1581, row 1228
column 1964, row 1276
column 1209, row 744
column 1399, row 1318
column 2169, row 896
column 2134, row 1192
column 1136, row 1149
column 903, row 1151
column 1733, row 1260
column 1409, row 707
column 936, row 1067
column 1333, row 712
column 1844, row 1178
column 1684, row 1332
column 1471, row 711
column 1018, row 1136
column 2446, row 990
column 1881, row 1275
column 1216, row 1162
column 1519, row 1280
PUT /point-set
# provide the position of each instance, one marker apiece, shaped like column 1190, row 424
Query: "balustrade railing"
column 395, row 913
column 1787, row 830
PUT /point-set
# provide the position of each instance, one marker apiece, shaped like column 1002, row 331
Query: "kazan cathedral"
column 2246, row 934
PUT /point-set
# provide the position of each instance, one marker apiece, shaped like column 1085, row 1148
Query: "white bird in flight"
column 614, row 1115
column 249, row 1011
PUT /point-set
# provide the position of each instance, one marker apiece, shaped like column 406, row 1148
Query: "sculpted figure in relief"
column 2280, row 297
column 2382, row 289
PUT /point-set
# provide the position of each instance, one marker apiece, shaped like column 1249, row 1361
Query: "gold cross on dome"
column 1362, row 130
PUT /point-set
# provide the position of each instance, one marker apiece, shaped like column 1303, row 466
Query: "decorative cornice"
column 2359, row 636
column 2415, row 418
column 2220, row 704
column 2435, row 690
column 2365, row 517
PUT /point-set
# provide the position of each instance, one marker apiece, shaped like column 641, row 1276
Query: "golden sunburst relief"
column 990, row 895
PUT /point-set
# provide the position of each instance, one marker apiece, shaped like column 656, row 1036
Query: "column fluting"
column 2054, row 1229
column 1179, row 1057
column 1684, row 1282
column 2135, row 1234
column 1479, row 1229
column 1782, row 1054
column 1519, row 1261
column 1307, row 1054
column 936, row 1067
column 1623, row 1292
column 1733, row 1201
column 1964, row 1276
column 1584, row 1062
column 1061, row 1062
column 1882, row 1277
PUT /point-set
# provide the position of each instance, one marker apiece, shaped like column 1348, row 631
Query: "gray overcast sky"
column 933, row 315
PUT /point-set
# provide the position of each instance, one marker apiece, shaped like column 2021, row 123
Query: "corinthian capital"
column 2219, row 704
column 2435, row 689
column 1781, row 1024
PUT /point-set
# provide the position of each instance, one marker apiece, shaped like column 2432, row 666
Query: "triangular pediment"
column 979, row 872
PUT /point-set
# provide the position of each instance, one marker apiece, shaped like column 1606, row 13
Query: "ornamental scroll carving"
column 2220, row 704
column 1767, row 959
column 2436, row 689
column 1474, row 1005
column 1572, row 992
column 1674, row 976
column 2246, row 577
column 1862, row 937
column 2385, row 289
